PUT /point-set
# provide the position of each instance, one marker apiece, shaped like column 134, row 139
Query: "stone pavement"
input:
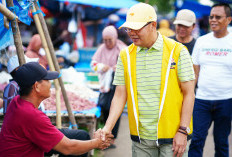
column 123, row 142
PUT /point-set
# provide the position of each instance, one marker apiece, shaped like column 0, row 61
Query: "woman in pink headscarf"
column 34, row 50
column 108, row 52
column 104, row 62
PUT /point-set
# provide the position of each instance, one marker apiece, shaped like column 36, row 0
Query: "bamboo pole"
column 52, row 52
column 16, row 35
column 6, row 21
column 50, row 63
column 7, row 13
column 58, row 107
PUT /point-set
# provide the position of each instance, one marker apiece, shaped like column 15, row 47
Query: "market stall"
column 75, row 106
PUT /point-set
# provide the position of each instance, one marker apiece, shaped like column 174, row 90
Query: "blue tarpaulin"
column 6, row 36
column 21, row 10
column 199, row 9
column 116, row 4
column 223, row 1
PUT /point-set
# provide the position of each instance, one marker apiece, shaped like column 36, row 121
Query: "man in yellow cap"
column 164, row 28
column 155, row 77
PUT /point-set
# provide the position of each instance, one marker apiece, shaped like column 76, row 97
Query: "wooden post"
column 17, row 37
column 6, row 12
column 58, row 107
column 52, row 53
column 45, row 46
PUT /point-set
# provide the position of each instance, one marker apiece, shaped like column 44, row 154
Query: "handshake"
column 104, row 139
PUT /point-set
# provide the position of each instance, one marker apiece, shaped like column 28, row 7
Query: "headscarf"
column 109, row 56
column 33, row 50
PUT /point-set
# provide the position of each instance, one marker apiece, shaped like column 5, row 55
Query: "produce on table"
column 76, row 102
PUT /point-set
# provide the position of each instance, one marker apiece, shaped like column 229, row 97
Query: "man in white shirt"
column 212, row 55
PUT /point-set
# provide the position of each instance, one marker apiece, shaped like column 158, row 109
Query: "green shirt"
column 148, row 76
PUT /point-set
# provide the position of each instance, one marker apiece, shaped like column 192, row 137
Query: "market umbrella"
column 116, row 4
column 199, row 9
column 223, row 1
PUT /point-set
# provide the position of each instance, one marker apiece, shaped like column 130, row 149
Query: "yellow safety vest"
column 171, row 96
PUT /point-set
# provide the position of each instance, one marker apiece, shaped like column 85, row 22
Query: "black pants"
column 104, row 102
column 72, row 134
column 116, row 127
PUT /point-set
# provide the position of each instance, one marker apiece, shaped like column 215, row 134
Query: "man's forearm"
column 82, row 147
column 187, row 110
column 188, row 103
column 75, row 147
column 117, row 106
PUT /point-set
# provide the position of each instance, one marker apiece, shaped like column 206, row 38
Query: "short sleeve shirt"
column 148, row 76
column 214, row 56
column 27, row 131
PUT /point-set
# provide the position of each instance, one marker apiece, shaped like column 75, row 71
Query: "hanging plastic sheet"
column 223, row 1
column 116, row 4
column 6, row 35
column 22, row 10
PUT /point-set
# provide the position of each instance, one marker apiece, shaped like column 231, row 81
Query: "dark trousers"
column 204, row 112
column 72, row 134
column 116, row 127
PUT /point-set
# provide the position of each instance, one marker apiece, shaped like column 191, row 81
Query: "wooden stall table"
column 88, row 120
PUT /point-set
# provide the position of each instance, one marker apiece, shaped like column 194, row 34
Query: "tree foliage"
column 163, row 6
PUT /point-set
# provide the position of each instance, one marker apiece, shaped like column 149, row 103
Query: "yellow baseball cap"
column 139, row 15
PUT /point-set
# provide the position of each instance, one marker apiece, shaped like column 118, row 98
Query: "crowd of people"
column 174, row 86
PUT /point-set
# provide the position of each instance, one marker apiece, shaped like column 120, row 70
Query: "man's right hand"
column 104, row 133
column 108, row 138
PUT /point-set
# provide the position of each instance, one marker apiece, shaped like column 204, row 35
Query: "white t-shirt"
column 214, row 55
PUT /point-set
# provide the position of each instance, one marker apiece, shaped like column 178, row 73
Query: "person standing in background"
column 164, row 28
column 104, row 63
column 184, row 24
column 12, row 88
column 212, row 56
column 35, row 50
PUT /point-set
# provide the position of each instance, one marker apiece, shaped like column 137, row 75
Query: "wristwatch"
column 186, row 129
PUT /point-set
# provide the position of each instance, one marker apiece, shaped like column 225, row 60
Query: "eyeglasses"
column 128, row 30
column 216, row 17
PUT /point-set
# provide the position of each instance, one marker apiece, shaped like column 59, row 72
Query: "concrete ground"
column 123, row 143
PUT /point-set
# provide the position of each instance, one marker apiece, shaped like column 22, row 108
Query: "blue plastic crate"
column 83, row 66
column 85, row 58
column 86, row 54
